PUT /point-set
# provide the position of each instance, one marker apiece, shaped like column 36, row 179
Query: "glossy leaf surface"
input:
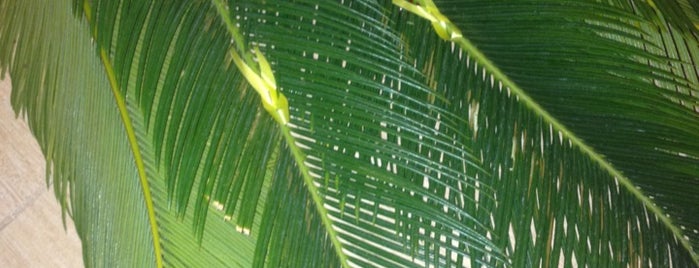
column 366, row 133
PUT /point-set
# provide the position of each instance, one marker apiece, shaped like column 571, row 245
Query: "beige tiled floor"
column 31, row 230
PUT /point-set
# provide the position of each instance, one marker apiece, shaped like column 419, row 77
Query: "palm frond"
column 83, row 138
column 346, row 149
column 634, row 109
column 547, row 133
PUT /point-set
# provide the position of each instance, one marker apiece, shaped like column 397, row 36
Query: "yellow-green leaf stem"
column 300, row 157
column 272, row 100
column 259, row 74
column 261, row 78
column 131, row 135
column 450, row 32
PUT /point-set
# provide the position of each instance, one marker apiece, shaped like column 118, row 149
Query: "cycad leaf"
column 82, row 133
column 630, row 106
column 553, row 133
column 382, row 224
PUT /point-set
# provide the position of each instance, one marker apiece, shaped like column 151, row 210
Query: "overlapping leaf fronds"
column 553, row 133
column 636, row 106
column 622, row 94
column 375, row 140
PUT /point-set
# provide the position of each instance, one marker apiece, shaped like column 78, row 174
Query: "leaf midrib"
column 298, row 154
column 133, row 142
